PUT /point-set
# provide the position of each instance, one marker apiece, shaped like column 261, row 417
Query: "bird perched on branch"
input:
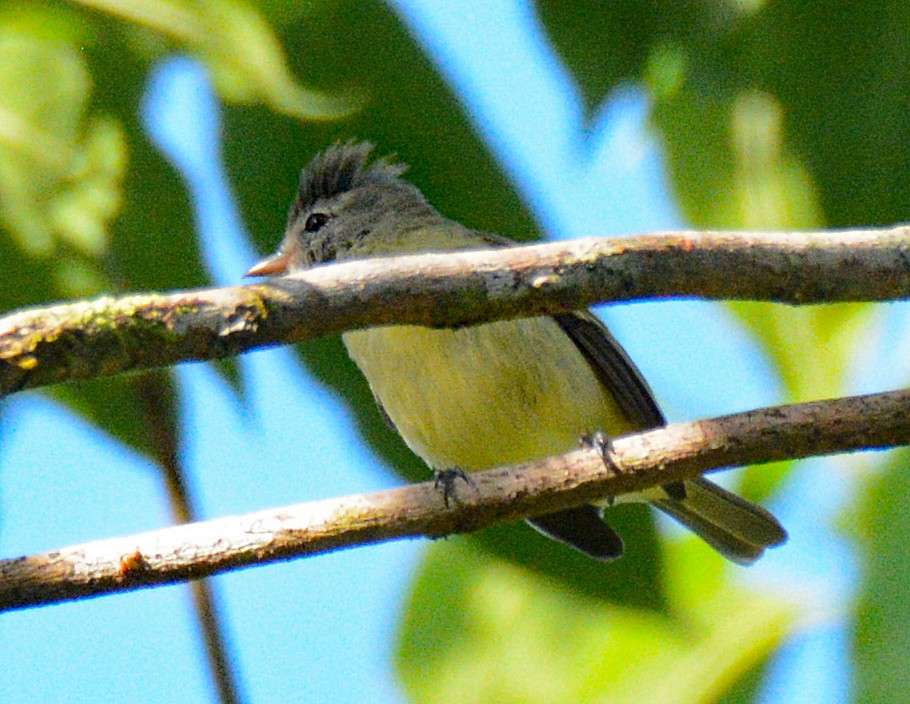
column 498, row 393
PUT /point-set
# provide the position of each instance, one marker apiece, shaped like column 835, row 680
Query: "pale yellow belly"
column 486, row 395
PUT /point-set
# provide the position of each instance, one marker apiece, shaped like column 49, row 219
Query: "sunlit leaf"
column 843, row 90
column 64, row 169
column 882, row 639
column 731, row 163
column 60, row 173
column 246, row 59
column 478, row 629
column 636, row 580
column 811, row 348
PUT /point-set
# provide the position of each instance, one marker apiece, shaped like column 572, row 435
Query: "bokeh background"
column 156, row 145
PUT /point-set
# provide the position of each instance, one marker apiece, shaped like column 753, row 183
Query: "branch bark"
column 113, row 335
column 665, row 455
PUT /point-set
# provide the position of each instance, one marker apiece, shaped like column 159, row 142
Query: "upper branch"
column 108, row 335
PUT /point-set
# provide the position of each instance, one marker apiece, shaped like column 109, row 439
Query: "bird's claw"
column 444, row 480
column 603, row 443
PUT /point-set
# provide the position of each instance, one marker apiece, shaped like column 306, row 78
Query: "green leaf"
column 602, row 43
column 811, row 348
column 60, row 170
column 87, row 204
column 74, row 166
column 822, row 73
column 842, row 85
column 882, row 640
column 733, row 168
column 637, row 579
column 730, row 161
column 478, row 629
column 608, row 43
column 240, row 48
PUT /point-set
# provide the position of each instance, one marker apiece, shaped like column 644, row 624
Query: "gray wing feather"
column 736, row 528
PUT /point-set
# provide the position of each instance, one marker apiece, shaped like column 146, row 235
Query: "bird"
column 498, row 393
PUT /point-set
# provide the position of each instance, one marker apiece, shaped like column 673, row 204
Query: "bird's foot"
column 601, row 442
column 445, row 479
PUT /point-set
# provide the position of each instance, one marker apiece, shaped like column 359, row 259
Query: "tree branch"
column 156, row 399
column 660, row 456
column 112, row 335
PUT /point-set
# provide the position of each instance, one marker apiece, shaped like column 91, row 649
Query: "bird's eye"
column 315, row 221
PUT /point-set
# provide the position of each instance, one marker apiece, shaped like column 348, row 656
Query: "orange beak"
column 276, row 264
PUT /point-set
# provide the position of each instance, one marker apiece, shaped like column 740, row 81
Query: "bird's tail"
column 583, row 529
column 737, row 529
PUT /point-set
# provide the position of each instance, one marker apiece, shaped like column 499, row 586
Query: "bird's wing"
column 613, row 367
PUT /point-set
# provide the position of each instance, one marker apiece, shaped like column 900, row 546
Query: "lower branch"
column 673, row 453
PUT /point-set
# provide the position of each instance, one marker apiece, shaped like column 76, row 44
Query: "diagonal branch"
column 665, row 455
column 112, row 335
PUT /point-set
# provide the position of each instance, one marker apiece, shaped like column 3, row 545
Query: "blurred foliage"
column 882, row 618
column 783, row 114
column 514, row 637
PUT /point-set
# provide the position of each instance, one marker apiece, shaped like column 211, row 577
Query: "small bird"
column 497, row 393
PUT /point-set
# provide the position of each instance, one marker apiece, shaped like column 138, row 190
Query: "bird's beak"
column 276, row 264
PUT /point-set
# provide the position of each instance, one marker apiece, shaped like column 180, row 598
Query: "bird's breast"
column 485, row 395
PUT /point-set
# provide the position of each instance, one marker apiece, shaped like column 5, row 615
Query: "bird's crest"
column 341, row 168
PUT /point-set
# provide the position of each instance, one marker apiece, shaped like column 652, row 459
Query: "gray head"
column 347, row 208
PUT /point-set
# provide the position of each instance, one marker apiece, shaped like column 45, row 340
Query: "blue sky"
column 62, row 482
